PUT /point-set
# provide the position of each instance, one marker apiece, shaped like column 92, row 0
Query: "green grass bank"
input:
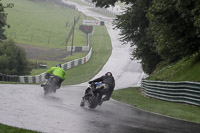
column 134, row 97
column 11, row 129
column 43, row 24
column 187, row 69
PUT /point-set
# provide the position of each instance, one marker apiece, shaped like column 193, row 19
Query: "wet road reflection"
column 25, row 106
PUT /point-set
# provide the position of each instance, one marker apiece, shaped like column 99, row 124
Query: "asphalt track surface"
column 25, row 105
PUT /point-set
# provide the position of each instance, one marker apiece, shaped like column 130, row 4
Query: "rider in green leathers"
column 57, row 72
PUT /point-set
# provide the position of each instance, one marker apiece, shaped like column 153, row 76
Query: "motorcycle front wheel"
column 95, row 101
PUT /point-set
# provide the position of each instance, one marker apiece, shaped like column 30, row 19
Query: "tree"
column 3, row 19
column 166, row 30
column 2, row 22
column 134, row 27
column 175, row 32
column 13, row 59
column 195, row 12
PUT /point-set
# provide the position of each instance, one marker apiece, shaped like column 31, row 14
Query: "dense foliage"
column 174, row 27
column 136, row 30
column 159, row 29
column 2, row 21
column 3, row 17
column 13, row 59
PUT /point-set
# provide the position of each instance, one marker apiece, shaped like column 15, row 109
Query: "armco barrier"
column 77, row 49
column 39, row 78
column 81, row 48
column 184, row 92
column 65, row 66
column 11, row 78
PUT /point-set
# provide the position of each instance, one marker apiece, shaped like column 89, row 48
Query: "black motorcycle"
column 51, row 85
column 93, row 95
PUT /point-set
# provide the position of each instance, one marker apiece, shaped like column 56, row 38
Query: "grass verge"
column 186, row 69
column 10, row 129
column 134, row 97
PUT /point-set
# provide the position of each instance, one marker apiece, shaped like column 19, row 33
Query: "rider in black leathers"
column 109, row 86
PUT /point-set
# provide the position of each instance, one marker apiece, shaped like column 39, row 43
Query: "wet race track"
column 25, row 105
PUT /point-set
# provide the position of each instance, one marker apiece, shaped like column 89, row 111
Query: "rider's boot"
column 42, row 85
column 82, row 102
column 100, row 102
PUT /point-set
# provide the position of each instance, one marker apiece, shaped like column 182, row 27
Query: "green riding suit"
column 58, row 73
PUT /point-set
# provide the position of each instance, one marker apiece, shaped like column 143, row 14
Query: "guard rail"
column 183, row 92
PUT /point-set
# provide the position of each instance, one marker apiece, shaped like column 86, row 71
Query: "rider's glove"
column 90, row 82
column 47, row 76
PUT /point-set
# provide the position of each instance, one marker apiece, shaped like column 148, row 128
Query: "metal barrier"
column 68, row 65
column 184, row 92
column 9, row 78
column 39, row 78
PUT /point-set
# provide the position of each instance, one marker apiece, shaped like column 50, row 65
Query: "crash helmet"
column 108, row 74
column 58, row 65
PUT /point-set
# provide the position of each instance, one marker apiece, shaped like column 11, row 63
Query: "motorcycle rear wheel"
column 50, row 87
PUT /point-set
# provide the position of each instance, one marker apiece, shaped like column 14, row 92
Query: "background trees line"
column 12, row 58
column 161, row 30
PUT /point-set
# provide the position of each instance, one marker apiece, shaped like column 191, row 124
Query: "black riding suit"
column 109, row 85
